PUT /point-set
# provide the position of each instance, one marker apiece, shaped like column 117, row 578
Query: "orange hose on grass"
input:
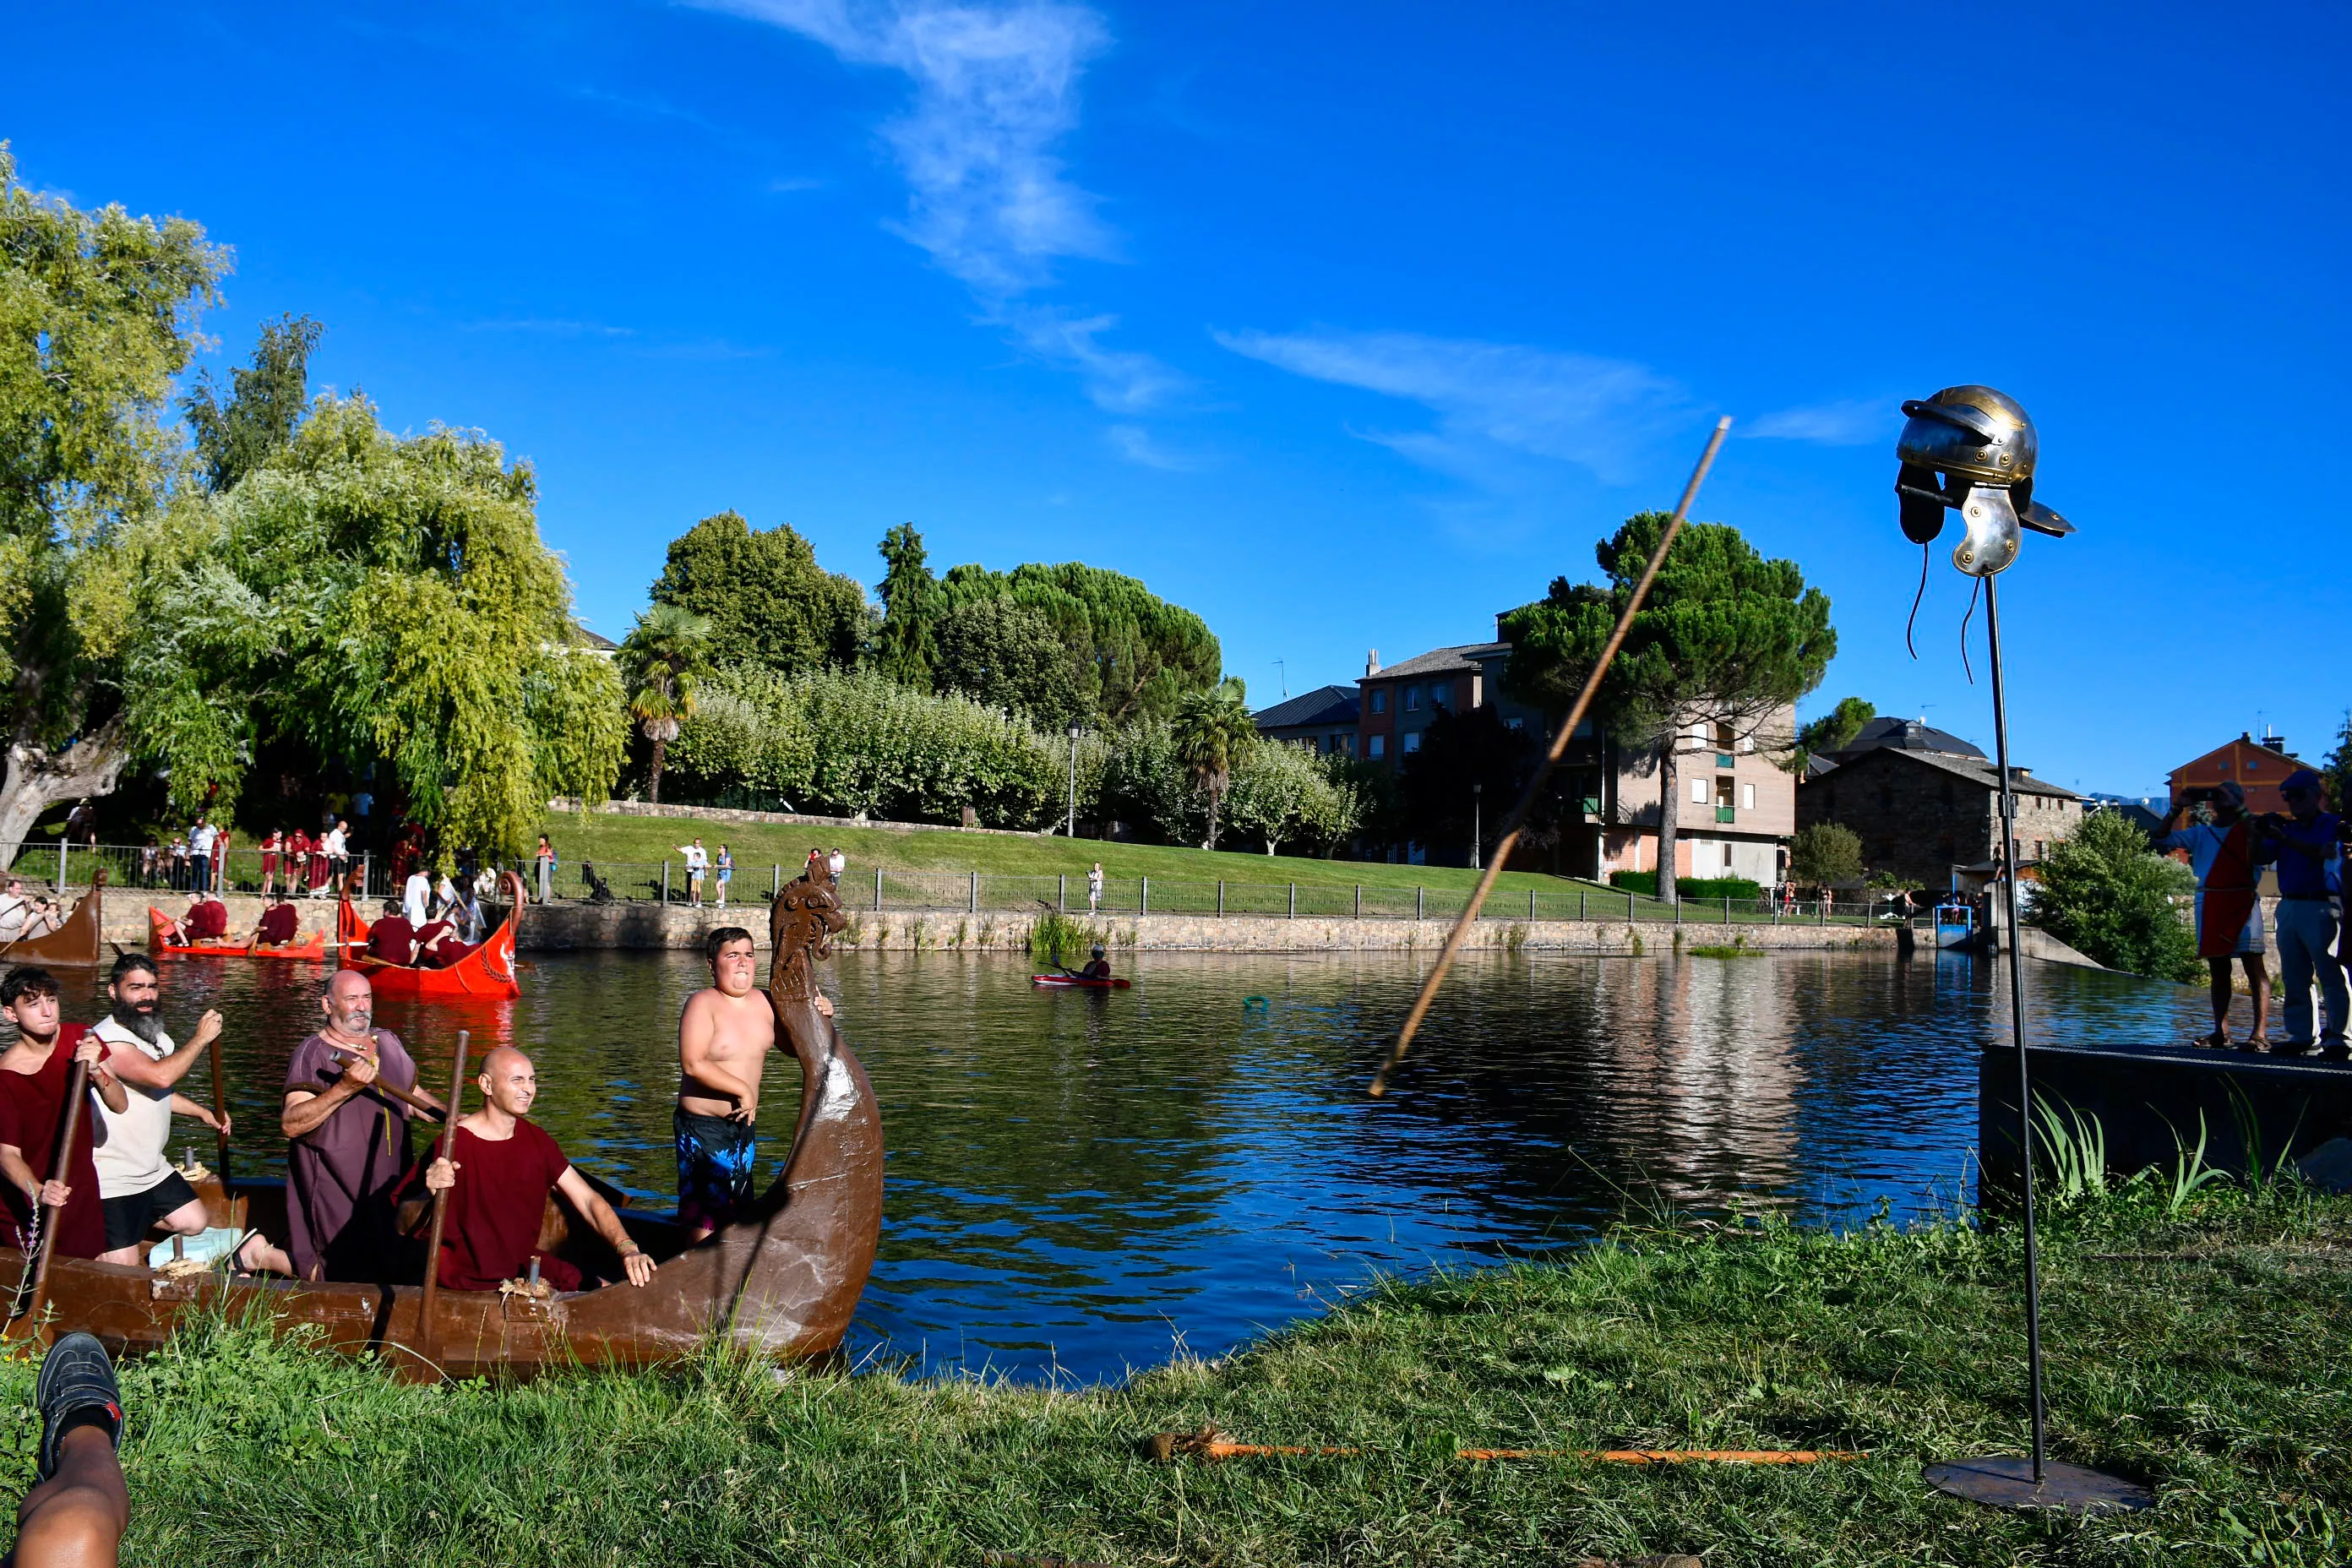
column 1168, row 1447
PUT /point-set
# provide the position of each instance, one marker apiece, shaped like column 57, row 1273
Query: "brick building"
column 1923, row 815
column 2255, row 767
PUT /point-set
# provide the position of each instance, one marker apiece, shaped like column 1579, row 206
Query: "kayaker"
column 1097, row 968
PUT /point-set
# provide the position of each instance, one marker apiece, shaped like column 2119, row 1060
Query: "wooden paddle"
column 440, row 1202
column 220, row 1108
column 409, row 1097
column 77, row 1085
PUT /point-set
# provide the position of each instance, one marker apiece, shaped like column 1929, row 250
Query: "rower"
column 348, row 1138
column 723, row 1040
column 438, row 946
column 1098, row 968
column 279, row 924
column 392, row 938
column 137, row 1182
column 207, row 919
column 35, row 1074
column 500, row 1171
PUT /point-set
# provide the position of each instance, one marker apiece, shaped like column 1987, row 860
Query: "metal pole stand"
column 2007, row 1480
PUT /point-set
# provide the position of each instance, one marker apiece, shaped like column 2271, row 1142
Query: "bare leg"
column 76, row 1518
column 2218, row 975
column 2258, row 981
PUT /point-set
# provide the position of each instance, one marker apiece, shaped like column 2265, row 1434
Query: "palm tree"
column 664, row 659
column 1213, row 732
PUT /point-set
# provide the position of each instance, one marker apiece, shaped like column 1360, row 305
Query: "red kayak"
column 488, row 971
column 1078, row 983
column 312, row 947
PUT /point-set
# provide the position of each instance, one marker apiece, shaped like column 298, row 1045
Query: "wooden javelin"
column 1502, row 855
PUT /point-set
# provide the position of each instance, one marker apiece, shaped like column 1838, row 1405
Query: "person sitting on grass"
column 500, row 1171
column 391, row 939
column 35, row 1074
column 280, row 923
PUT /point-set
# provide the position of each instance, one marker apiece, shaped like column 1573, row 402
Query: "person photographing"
column 2223, row 849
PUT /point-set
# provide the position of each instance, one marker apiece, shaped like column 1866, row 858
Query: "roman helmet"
column 1972, row 449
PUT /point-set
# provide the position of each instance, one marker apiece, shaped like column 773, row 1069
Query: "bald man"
column 349, row 1140
column 500, row 1171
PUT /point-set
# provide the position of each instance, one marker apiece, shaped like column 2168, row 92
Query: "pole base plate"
column 2006, row 1480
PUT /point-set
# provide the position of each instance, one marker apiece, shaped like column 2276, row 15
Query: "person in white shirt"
column 200, row 853
column 335, row 848
column 836, row 863
column 1094, row 888
column 696, row 862
column 136, row 1183
column 415, row 896
column 445, row 895
column 16, row 909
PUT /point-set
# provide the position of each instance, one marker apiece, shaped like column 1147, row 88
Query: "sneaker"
column 76, row 1388
column 2292, row 1047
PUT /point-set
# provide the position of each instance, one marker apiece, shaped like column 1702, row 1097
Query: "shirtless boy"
column 724, row 1037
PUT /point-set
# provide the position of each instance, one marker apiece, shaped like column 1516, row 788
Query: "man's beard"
column 147, row 1024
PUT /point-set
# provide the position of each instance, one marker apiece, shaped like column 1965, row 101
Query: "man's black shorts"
column 129, row 1216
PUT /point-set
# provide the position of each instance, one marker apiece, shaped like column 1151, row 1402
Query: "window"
column 1412, row 741
column 1724, row 737
column 1699, row 792
column 1412, row 698
column 1380, row 702
column 1723, row 794
column 1748, row 797
column 1376, row 746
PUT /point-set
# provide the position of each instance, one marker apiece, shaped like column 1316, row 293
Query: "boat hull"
column 312, row 950
column 73, row 945
column 1074, row 983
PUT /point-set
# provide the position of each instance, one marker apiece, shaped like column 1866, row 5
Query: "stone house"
column 2255, row 767
column 1926, row 815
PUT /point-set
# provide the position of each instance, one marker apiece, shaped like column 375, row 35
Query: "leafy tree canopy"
column 1825, row 855
column 2107, row 895
column 387, row 600
column 1725, row 637
column 767, row 601
column 904, row 648
column 1005, row 655
column 1462, row 754
column 1835, row 730
column 1139, row 655
column 236, row 433
column 97, row 313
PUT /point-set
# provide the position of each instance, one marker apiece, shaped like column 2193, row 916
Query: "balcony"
column 1726, row 814
column 1726, row 760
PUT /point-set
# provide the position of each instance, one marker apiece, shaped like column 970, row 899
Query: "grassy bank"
column 2210, row 1353
column 643, row 840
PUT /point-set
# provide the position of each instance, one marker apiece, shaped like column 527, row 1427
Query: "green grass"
column 643, row 840
column 2206, row 1352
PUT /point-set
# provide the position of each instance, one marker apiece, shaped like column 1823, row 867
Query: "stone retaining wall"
column 581, row 927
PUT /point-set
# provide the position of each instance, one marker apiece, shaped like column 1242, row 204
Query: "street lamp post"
column 1476, row 832
column 1071, row 830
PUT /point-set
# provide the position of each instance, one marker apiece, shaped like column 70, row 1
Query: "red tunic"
column 279, row 924
column 495, row 1209
column 393, row 939
column 207, row 921
column 32, row 1114
column 427, row 956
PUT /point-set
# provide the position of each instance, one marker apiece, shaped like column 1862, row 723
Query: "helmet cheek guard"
column 1971, row 449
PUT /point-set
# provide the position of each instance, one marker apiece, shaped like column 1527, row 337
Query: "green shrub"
column 1646, row 884
column 2106, row 894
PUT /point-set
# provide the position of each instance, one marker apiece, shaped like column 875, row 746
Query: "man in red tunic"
column 280, row 923
column 34, row 1075
column 207, row 919
column 392, row 938
column 501, row 1170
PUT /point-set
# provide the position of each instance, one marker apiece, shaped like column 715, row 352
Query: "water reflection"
column 1079, row 1180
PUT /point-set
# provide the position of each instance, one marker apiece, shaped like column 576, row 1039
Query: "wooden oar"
column 77, row 1085
column 409, row 1097
column 220, row 1108
column 1527, row 798
column 441, row 1202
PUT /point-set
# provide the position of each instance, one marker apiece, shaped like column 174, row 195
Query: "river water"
column 1080, row 1182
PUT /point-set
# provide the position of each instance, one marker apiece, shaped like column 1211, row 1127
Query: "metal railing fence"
column 881, row 889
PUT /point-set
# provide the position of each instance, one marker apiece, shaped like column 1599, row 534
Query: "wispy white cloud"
column 996, row 85
column 1496, row 404
column 1848, row 422
column 1118, row 381
column 1136, row 445
column 554, row 328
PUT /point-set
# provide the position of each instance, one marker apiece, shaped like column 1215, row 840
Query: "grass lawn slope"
column 2208, row 1352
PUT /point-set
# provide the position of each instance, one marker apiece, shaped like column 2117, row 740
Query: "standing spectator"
column 1094, row 888
column 179, row 868
column 337, row 849
column 445, row 895
column 545, row 859
column 2304, row 845
column 297, row 864
column 697, row 862
column 150, row 861
column 2222, row 852
column 81, row 824
column 200, row 853
column 220, row 861
column 271, row 844
column 836, row 863
column 725, row 865
column 416, row 897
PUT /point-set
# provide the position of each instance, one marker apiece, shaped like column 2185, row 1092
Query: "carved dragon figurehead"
column 800, row 927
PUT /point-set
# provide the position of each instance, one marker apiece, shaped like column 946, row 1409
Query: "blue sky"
column 1346, row 326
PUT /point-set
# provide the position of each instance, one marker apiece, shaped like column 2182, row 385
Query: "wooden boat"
column 1078, row 983
column 488, row 971
column 312, row 947
column 73, row 945
column 780, row 1282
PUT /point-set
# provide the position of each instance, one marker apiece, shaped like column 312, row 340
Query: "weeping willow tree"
column 384, row 600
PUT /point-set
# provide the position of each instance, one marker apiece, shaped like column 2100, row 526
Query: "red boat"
column 488, row 971
column 1078, row 983
column 312, row 947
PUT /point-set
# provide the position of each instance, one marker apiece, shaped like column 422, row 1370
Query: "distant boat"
column 1078, row 983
